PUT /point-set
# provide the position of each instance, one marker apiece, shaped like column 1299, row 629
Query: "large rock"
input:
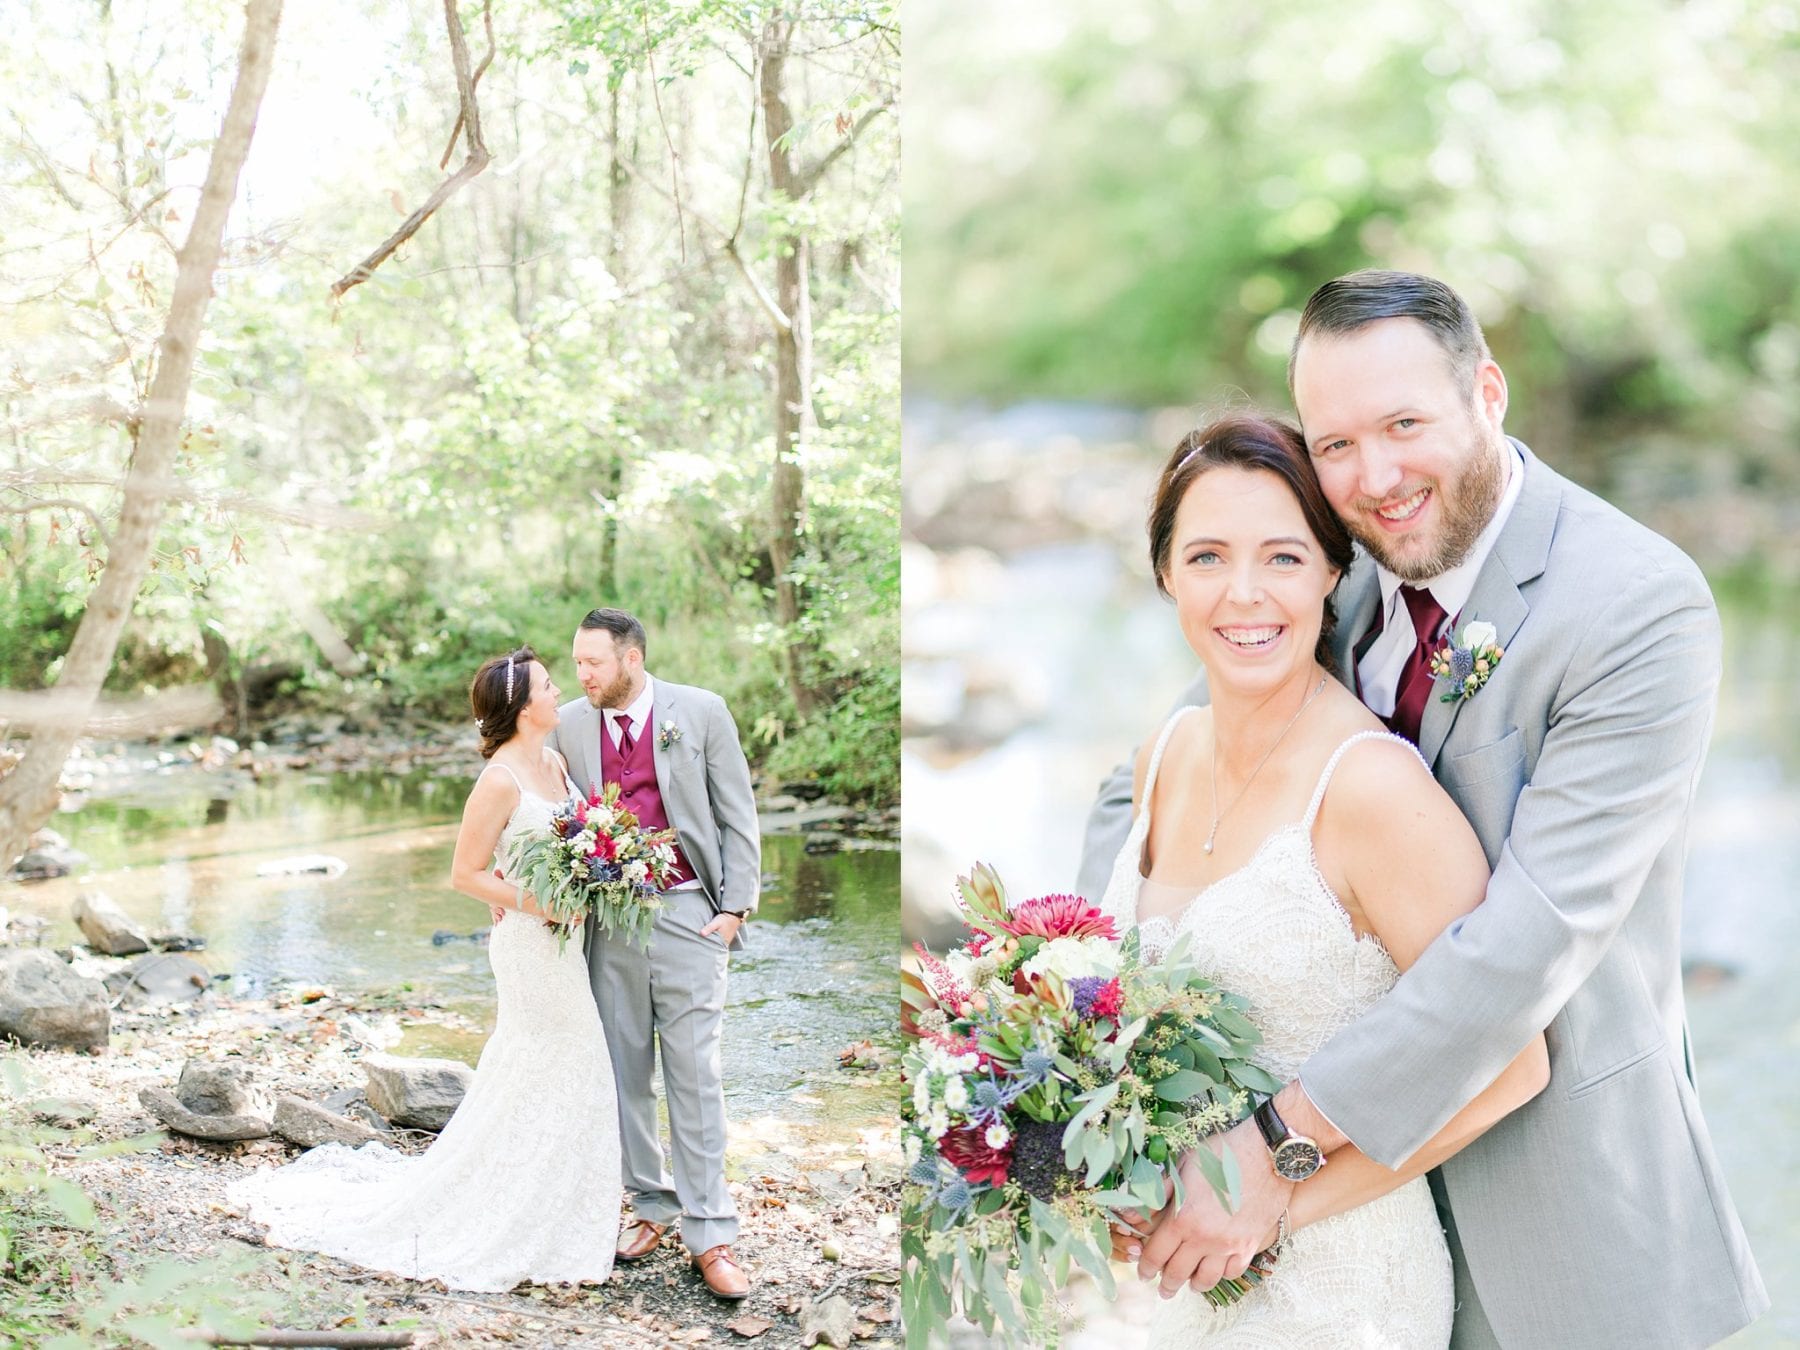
column 220, row 1088
column 304, row 1123
column 106, row 927
column 167, row 1108
column 157, row 979
column 420, row 1094
column 43, row 1002
column 47, row 855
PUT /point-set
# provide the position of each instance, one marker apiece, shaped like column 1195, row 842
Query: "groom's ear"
column 1490, row 393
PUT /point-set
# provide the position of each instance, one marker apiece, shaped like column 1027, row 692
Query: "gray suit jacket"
column 1596, row 1214
column 705, row 785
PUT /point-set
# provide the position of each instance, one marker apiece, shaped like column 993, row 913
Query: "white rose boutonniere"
column 1466, row 661
column 667, row 734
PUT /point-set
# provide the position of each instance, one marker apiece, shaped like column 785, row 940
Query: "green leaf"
column 1181, row 1085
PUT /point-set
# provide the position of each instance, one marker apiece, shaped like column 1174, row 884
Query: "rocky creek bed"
column 819, row 1229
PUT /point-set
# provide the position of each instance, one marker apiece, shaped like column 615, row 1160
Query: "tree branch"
column 26, row 507
column 487, row 19
column 476, row 161
column 810, row 179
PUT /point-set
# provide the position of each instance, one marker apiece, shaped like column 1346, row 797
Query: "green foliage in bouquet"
column 595, row 858
column 1057, row 1080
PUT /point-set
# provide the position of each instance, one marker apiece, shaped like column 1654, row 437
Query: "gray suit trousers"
column 672, row 996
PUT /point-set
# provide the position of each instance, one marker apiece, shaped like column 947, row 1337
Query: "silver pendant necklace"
column 1219, row 815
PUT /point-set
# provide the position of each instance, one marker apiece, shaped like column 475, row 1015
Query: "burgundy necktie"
column 625, row 741
column 1415, row 676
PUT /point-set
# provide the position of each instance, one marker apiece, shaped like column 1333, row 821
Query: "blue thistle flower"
column 987, row 1096
column 1462, row 664
column 1035, row 1065
column 956, row 1195
column 924, row 1172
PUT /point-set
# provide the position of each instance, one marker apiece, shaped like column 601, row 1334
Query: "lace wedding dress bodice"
column 523, row 1183
column 1273, row 932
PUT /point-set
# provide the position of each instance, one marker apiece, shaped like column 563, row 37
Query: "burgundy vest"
column 636, row 776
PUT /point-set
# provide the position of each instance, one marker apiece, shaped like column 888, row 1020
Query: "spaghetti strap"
column 1162, row 743
column 496, row 764
column 1318, row 797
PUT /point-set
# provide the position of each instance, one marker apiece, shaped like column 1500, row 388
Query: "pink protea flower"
column 1054, row 916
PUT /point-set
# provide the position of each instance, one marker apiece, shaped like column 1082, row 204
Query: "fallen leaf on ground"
column 749, row 1327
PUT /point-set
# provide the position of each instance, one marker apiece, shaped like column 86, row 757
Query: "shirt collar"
column 1452, row 589
column 640, row 709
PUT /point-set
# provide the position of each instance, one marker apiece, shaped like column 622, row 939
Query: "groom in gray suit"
column 674, row 751
column 1596, row 1214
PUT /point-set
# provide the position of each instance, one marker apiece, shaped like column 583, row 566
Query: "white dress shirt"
column 1378, row 673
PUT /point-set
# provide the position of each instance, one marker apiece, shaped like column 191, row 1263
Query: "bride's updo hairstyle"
column 498, row 695
column 1249, row 441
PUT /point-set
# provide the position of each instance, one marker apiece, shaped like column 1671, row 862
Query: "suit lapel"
column 662, row 710
column 1359, row 595
column 586, row 733
column 1518, row 558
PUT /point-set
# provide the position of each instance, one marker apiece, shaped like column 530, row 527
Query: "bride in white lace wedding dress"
column 1273, row 932
column 523, row 1183
column 1306, row 899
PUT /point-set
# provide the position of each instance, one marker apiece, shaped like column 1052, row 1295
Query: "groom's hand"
column 725, row 925
column 1200, row 1244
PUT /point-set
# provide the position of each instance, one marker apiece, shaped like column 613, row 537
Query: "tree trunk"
column 28, row 793
column 793, row 368
column 618, row 205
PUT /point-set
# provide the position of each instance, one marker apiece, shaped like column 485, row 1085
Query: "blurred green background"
column 1113, row 215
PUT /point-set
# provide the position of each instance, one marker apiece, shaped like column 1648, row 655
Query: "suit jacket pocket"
column 1485, row 784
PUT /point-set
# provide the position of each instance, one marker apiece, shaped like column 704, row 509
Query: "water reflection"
column 181, row 853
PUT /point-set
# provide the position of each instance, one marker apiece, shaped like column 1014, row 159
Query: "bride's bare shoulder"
column 1193, row 727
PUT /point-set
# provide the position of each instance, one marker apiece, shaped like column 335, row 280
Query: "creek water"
column 179, row 850
column 1074, row 630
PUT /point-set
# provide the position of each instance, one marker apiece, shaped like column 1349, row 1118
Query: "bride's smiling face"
column 1248, row 578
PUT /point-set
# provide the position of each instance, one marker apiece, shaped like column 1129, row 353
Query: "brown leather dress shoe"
column 723, row 1275
column 639, row 1239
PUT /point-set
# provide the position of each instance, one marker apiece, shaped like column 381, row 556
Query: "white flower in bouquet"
column 997, row 1136
column 636, row 872
column 937, row 1124
column 1072, row 958
column 956, row 1094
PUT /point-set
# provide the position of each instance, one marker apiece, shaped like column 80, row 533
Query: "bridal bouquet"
column 1056, row 1078
column 596, row 858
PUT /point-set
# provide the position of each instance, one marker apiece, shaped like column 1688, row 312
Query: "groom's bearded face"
column 1409, row 456
column 603, row 668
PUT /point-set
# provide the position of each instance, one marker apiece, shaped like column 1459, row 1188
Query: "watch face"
column 1297, row 1159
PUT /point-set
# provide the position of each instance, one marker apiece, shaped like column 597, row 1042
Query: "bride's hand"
column 497, row 912
column 1132, row 1226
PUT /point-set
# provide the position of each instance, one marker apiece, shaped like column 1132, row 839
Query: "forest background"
column 646, row 354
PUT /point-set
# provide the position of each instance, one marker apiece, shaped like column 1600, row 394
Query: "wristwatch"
column 1295, row 1156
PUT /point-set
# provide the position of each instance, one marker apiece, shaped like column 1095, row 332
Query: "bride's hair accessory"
column 1466, row 661
column 509, row 679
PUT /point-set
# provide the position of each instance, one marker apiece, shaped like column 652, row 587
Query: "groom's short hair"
column 625, row 628
column 1360, row 298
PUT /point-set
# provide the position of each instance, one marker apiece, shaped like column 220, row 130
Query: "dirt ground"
column 818, row 1205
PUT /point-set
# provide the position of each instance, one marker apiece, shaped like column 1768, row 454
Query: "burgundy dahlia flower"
column 968, row 1152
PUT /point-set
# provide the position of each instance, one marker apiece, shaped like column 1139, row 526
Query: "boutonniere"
column 1466, row 660
column 668, row 734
